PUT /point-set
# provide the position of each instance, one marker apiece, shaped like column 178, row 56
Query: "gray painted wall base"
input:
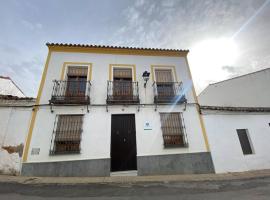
column 97, row 167
column 189, row 163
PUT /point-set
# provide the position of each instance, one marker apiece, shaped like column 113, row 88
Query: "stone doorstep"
column 135, row 179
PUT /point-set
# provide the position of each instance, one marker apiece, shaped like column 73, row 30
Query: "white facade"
column 238, row 103
column 15, row 113
column 96, row 135
column 225, row 146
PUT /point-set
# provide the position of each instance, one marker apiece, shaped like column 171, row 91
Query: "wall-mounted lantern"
column 145, row 76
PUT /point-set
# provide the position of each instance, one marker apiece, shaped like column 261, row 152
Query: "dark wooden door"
column 123, row 143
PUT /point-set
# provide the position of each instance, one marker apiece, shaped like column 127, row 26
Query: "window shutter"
column 77, row 71
column 163, row 75
column 122, row 73
column 171, row 123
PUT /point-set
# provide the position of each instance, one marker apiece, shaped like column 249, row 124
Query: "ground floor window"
column 67, row 134
column 244, row 141
column 173, row 130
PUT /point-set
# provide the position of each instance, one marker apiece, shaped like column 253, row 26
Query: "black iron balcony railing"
column 168, row 92
column 71, row 92
column 122, row 92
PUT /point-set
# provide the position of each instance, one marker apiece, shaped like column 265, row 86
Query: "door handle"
column 124, row 139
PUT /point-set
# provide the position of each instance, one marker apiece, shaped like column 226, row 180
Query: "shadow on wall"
column 10, row 159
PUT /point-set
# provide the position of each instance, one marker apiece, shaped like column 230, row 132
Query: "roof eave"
column 116, row 50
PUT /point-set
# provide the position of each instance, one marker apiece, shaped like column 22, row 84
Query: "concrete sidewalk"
column 135, row 179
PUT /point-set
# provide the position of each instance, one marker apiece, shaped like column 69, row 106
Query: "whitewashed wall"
column 13, row 130
column 100, row 72
column 8, row 87
column 251, row 90
column 225, row 147
column 96, row 136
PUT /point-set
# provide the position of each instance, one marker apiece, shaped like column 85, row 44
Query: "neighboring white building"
column 236, row 113
column 8, row 87
column 250, row 90
column 15, row 113
column 96, row 115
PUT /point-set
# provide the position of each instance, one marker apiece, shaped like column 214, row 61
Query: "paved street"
column 254, row 188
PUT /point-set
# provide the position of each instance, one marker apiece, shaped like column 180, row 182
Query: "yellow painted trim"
column 34, row 112
column 66, row 64
column 200, row 116
column 110, row 72
column 164, row 67
column 90, row 72
column 119, row 51
column 123, row 66
column 152, row 72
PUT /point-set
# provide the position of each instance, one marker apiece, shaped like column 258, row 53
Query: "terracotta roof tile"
column 11, row 97
column 5, row 77
column 112, row 47
column 236, row 109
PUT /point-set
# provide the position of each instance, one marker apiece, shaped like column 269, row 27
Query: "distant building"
column 8, row 87
column 15, row 113
column 250, row 90
column 236, row 114
column 104, row 109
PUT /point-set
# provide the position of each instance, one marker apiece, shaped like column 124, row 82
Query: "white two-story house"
column 104, row 109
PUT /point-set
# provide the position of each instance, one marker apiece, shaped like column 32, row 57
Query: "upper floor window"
column 67, row 134
column 122, row 82
column 166, row 88
column 76, row 81
column 121, row 87
column 74, row 88
column 164, row 81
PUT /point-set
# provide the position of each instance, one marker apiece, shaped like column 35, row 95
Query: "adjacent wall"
column 13, row 130
column 241, row 91
column 225, row 146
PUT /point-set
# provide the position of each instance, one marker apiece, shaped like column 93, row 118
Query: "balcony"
column 168, row 92
column 71, row 92
column 122, row 92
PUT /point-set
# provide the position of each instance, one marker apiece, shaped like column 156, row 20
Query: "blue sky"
column 225, row 38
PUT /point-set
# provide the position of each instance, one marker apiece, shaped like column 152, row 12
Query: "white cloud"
column 26, row 74
column 153, row 23
column 31, row 26
column 167, row 3
column 139, row 3
column 186, row 24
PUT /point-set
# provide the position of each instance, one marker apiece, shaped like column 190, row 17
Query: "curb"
column 134, row 179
